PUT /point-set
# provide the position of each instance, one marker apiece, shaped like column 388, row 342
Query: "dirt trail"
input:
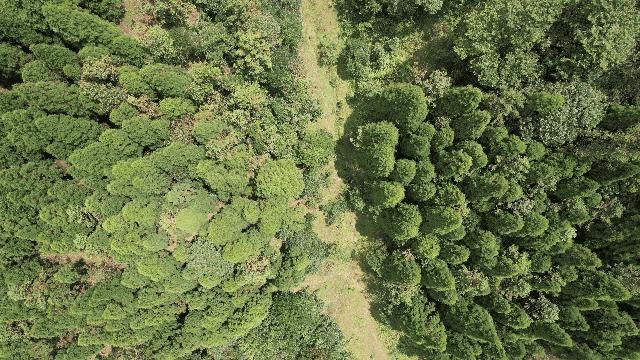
column 340, row 283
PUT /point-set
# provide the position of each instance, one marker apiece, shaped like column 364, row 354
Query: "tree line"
column 501, row 182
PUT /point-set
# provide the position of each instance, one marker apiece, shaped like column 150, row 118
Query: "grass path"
column 340, row 284
column 319, row 20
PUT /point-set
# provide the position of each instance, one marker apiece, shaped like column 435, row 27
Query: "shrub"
column 402, row 222
column 334, row 210
column 285, row 333
column 77, row 27
column 404, row 171
column 376, row 145
column 316, row 149
column 357, row 57
column 403, row 104
column 279, row 179
column 328, row 51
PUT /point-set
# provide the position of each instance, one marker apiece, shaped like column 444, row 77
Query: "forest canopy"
column 498, row 165
column 162, row 165
column 152, row 173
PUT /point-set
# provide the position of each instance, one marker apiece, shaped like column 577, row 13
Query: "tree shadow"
column 374, row 285
column 434, row 52
column 366, row 225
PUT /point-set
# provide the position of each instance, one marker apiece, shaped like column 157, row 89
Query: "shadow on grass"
column 366, row 226
column 433, row 51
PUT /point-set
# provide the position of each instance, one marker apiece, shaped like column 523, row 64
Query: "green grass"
column 341, row 283
column 319, row 20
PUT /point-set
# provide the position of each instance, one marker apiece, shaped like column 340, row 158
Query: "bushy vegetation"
column 151, row 183
column 503, row 186
column 157, row 168
column 295, row 329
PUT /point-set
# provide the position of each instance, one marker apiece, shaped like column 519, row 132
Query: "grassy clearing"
column 341, row 283
column 132, row 16
column 318, row 20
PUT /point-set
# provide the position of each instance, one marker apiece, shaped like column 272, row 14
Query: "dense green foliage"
column 148, row 179
column 157, row 165
column 295, row 329
column 506, row 211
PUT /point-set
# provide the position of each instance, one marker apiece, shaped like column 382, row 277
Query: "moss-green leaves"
column 279, row 179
